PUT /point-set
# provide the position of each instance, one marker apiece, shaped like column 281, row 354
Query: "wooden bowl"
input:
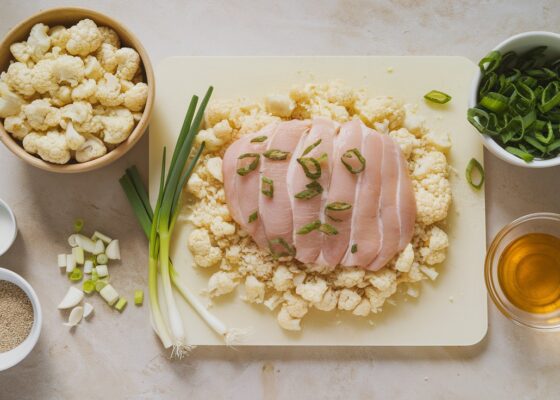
column 68, row 16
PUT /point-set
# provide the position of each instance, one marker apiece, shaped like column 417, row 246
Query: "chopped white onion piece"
column 88, row 310
column 62, row 260
column 102, row 271
column 99, row 236
column 78, row 254
column 70, row 263
column 113, row 250
column 85, row 243
column 72, row 240
column 75, row 316
column 72, row 298
column 99, row 247
column 109, row 294
column 88, row 267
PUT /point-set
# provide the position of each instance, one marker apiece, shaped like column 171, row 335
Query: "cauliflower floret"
column 73, row 139
column 68, row 69
column 312, row 291
column 109, row 36
column 405, row 140
column 282, row 279
column 51, row 146
column 109, row 91
column 135, row 98
column 128, row 61
column 223, row 130
column 363, row 308
column 222, row 283
column 199, row 242
column 405, row 259
column 10, row 102
column 349, row 277
column 207, row 136
column 279, row 105
column 414, row 123
column 20, row 51
column 43, row 77
column 233, row 255
column 433, row 198
column 91, row 125
column 254, row 290
column 328, row 302
column 78, row 112
column 92, row 148
column 17, row 126
column 384, row 279
column 433, row 162
column 92, row 68
column 376, row 299
column 380, row 109
column 107, row 57
column 61, row 97
column 286, row 321
column 20, row 78
column 295, row 305
column 414, row 275
column 273, row 301
column 117, row 125
column 84, row 90
column 437, row 244
column 214, row 166
column 59, row 36
column 195, row 185
column 220, row 228
column 440, row 141
column 41, row 115
column 348, row 299
column 84, row 38
column 210, row 259
column 38, row 41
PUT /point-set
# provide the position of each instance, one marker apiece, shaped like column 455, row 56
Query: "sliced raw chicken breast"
column 307, row 211
column 276, row 211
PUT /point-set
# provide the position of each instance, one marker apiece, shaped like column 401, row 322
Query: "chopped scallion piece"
column 494, row 102
column 267, row 187
column 276, row 155
column 76, row 275
column 102, row 258
column 328, row 229
column 525, row 156
column 138, row 297
column 311, row 167
column 473, row 166
column 339, row 206
column 102, row 271
column 100, row 284
column 253, row 217
column 285, row 248
column 121, row 304
column 313, row 189
column 304, row 230
column 259, row 139
column 78, row 225
column 311, row 147
column 251, row 166
column 88, row 286
column 436, row 96
column 354, row 248
column 350, row 154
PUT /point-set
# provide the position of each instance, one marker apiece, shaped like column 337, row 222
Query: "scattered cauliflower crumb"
column 348, row 300
column 254, row 290
column 222, row 283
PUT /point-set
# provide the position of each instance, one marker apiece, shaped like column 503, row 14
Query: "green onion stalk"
column 158, row 225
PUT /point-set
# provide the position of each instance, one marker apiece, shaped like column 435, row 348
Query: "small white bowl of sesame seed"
column 20, row 319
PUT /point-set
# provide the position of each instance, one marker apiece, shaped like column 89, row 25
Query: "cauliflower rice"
column 287, row 286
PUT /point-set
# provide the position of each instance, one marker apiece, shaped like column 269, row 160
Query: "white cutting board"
column 450, row 311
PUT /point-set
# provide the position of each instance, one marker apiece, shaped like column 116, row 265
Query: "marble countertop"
column 117, row 356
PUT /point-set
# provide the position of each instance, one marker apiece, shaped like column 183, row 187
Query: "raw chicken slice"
column 276, row 211
column 341, row 189
column 242, row 192
column 306, row 211
column 366, row 234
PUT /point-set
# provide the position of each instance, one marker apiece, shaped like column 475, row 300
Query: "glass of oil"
column 522, row 271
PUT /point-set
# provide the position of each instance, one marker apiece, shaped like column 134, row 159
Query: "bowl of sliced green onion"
column 515, row 100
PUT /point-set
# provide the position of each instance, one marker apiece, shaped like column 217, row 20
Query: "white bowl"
column 8, row 227
column 10, row 358
column 518, row 43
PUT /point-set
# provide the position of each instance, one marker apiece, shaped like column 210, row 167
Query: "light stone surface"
column 117, row 356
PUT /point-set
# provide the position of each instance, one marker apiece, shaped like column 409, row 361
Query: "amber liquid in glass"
column 529, row 272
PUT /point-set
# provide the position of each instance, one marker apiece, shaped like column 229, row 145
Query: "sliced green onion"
column 78, row 225
column 354, row 248
column 276, row 155
column 313, row 189
column 102, row 259
column 88, row 286
column 138, row 297
column 304, row 230
column 121, row 304
column 259, row 139
column 536, row 144
column 78, row 254
column 250, row 167
column 338, row 206
column 322, row 158
column 311, row 147
column 436, row 96
column 308, row 164
column 328, row 229
column 100, row 284
column 472, row 166
column 550, row 97
column 351, row 154
column 494, row 102
column 524, row 155
column 76, row 275
column 287, row 249
column 253, row 217
column 267, row 187
column 333, row 218
column 94, row 275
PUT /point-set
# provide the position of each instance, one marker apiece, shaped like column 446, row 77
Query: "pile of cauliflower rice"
column 72, row 93
column 286, row 286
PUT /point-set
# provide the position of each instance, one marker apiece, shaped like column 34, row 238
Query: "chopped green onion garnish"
column 102, row 259
column 308, row 164
column 251, row 166
column 339, row 206
column 76, row 275
column 494, row 102
column 88, row 286
column 276, row 155
column 100, row 284
column 138, row 297
column 310, row 147
column 471, row 167
column 267, row 187
column 286, row 248
column 328, row 229
column 322, row 158
column 354, row 248
column 524, row 155
column 94, row 275
column 350, row 154
column 78, row 225
column 121, row 304
column 309, row 227
column 253, row 217
column 490, row 62
column 259, row 139
column 313, row 189
column 436, row 96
